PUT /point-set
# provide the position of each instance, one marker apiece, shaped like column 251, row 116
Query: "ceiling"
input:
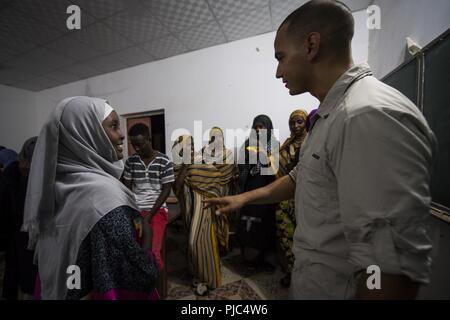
column 37, row 51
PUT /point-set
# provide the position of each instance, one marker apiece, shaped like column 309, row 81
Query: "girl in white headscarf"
column 78, row 213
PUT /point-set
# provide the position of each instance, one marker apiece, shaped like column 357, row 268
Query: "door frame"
column 126, row 116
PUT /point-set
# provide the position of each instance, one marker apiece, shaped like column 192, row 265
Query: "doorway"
column 156, row 124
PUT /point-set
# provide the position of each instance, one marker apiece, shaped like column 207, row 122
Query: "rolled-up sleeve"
column 382, row 163
column 293, row 174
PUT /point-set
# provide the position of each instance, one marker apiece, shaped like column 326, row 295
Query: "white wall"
column 422, row 20
column 17, row 117
column 226, row 86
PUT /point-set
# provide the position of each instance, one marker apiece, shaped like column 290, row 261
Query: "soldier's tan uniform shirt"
column 362, row 189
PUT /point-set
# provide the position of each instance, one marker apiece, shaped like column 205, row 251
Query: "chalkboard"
column 425, row 80
column 436, row 108
column 404, row 79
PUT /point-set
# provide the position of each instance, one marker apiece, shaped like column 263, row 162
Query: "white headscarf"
column 73, row 183
column 108, row 110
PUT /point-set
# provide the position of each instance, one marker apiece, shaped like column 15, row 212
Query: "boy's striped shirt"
column 147, row 181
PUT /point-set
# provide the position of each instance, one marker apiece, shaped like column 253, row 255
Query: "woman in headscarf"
column 205, row 177
column 20, row 272
column 215, row 151
column 256, row 228
column 77, row 212
column 285, row 215
column 183, row 155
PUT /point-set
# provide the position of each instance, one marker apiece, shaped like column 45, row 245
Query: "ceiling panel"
column 3, row 3
column 51, row 12
column 5, row 53
column 280, row 9
column 18, row 25
column 137, row 26
column 132, row 56
column 62, row 76
column 203, row 36
column 81, row 70
column 39, row 61
column 102, row 8
column 37, row 84
column 225, row 8
column 15, row 46
column 37, row 49
column 247, row 24
column 70, row 46
column 164, row 47
column 30, row 86
column 105, row 64
column 102, row 38
column 12, row 75
column 180, row 15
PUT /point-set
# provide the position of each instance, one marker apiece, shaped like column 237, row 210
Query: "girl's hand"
column 144, row 232
column 138, row 227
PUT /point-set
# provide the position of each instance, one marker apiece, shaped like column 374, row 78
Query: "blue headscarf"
column 7, row 157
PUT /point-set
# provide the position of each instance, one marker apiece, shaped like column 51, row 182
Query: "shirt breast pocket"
column 315, row 177
column 315, row 163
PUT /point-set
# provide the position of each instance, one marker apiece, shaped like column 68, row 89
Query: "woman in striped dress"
column 211, row 175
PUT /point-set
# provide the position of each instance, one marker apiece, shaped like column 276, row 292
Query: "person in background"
column 20, row 272
column 78, row 213
column 183, row 144
column 7, row 156
column 149, row 174
column 285, row 214
column 257, row 228
column 212, row 175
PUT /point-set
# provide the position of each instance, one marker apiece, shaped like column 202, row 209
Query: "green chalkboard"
column 404, row 79
column 425, row 80
column 436, row 108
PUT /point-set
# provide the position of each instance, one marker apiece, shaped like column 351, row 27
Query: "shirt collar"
column 352, row 75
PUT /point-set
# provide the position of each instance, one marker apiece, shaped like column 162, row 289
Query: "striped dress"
column 207, row 231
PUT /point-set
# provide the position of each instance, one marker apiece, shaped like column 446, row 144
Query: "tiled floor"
column 237, row 283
